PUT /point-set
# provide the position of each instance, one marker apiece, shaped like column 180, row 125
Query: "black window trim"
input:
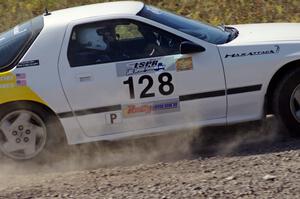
column 136, row 18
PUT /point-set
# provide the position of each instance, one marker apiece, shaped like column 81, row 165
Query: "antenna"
column 47, row 13
column 45, row 4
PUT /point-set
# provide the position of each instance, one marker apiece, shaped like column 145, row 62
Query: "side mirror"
column 188, row 47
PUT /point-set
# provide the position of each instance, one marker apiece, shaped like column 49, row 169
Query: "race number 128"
column 166, row 86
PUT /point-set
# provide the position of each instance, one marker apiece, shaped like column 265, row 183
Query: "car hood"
column 267, row 32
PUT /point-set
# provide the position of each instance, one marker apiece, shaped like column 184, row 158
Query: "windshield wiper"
column 222, row 27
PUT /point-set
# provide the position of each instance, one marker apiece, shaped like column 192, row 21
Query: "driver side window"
column 119, row 40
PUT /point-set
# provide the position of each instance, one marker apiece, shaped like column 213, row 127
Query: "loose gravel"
column 264, row 169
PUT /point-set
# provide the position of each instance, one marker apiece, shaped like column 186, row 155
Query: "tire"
column 286, row 107
column 27, row 131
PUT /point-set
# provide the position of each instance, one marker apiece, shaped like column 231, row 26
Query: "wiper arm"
column 222, row 27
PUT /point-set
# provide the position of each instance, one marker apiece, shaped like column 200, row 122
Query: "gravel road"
column 234, row 163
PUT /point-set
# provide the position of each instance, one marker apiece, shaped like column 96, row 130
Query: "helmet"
column 90, row 38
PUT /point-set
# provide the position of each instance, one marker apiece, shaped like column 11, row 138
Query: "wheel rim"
column 22, row 134
column 295, row 103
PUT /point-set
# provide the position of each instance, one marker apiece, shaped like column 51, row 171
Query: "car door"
column 123, row 75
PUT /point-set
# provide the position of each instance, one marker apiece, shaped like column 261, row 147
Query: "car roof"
column 93, row 10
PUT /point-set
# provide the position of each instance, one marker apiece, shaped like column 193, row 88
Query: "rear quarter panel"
column 40, row 82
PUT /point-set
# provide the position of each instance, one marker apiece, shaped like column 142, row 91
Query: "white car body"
column 227, row 83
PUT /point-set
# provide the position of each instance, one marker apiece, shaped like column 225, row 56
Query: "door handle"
column 85, row 78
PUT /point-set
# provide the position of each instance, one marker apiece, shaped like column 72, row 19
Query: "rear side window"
column 15, row 42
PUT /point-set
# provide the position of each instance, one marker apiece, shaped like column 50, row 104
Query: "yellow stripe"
column 10, row 91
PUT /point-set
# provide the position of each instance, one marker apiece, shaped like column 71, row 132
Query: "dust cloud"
column 177, row 145
column 241, row 139
column 162, row 148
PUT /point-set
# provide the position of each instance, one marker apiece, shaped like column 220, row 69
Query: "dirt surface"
column 233, row 163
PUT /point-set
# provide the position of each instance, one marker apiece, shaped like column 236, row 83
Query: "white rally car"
column 124, row 69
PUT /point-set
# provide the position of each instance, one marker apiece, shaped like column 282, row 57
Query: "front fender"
column 291, row 55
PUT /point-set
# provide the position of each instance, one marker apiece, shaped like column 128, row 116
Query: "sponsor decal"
column 7, row 81
column 166, row 106
column 136, row 110
column 276, row 50
column 22, row 82
column 156, row 107
column 21, row 75
column 21, row 79
column 6, row 78
column 145, row 66
column 114, row 118
column 13, row 80
column 7, row 85
column 28, row 63
column 184, row 64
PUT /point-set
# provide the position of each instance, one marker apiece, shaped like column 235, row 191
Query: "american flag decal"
column 21, row 82
column 21, row 76
column 21, row 79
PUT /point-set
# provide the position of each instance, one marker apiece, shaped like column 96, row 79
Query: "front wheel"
column 25, row 130
column 286, row 102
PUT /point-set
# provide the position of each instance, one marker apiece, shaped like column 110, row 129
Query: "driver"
column 94, row 45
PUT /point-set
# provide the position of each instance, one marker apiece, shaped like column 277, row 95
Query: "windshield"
column 197, row 29
column 16, row 41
